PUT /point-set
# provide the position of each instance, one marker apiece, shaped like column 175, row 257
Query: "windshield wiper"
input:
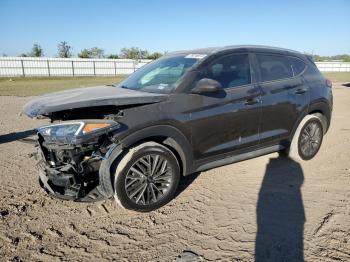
column 116, row 86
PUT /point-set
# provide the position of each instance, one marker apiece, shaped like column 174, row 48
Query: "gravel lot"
column 274, row 207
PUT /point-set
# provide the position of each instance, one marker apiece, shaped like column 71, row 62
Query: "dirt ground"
column 270, row 206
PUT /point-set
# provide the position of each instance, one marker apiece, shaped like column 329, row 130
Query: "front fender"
column 105, row 186
column 174, row 138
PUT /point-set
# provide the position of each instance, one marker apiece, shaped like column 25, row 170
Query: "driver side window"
column 230, row 70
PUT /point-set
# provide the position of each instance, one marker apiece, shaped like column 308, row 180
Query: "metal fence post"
column 134, row 64
column 73, row 67
column 23, row 74
column 94, row 67
column 115, row 68
column 48, row 67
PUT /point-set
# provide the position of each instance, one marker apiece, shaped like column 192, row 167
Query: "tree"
column 318, row 58
column 113, row 56
column 133, row 53
column 97, row 52
column 64, row 50
column 94, row 52
column 85, row 53
column 344, row 57
column 154, row 55
column 37, row 51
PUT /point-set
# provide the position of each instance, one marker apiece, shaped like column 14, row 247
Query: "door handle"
column 300, row 91
column 251, row 101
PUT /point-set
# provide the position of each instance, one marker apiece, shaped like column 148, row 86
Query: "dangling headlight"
column 66, row 129
column 70, row 132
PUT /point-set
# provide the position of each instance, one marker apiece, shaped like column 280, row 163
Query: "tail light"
column 329, row 83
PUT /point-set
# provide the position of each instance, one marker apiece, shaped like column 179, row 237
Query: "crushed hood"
column 88, row 97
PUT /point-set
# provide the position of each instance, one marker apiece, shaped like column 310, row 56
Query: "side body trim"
column 240, row 157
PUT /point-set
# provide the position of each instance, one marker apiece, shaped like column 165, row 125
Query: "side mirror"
column 207, row 86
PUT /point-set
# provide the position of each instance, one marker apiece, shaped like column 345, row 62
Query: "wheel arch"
column 321, row 107
column 168, row 136
column 318, row 107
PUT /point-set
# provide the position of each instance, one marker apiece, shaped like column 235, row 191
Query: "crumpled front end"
column 70, row 155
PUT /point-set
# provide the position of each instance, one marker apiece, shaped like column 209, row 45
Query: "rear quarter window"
column 297, row 65
column 274, row 67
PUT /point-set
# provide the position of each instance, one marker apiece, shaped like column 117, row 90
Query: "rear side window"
column 274, row 67
column 230, row 70
column 298, row 65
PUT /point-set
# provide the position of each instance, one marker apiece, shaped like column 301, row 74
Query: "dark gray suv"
column 186, row 112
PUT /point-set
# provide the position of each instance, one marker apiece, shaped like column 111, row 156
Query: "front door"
column 225, row 122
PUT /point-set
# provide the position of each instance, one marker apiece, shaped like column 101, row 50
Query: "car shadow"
column 280, row 212
column 14, row 136
column 185, row 181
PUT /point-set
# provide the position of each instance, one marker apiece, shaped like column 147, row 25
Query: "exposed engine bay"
column 70, row 155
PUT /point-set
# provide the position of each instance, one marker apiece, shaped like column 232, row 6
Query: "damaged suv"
column 186, row 112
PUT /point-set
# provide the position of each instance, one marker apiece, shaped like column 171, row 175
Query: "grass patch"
column 338, row 76
column 32, row 86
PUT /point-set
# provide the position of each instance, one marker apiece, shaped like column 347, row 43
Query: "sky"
column 319, row 27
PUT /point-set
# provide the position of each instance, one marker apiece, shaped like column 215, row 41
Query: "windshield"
column 159, row 76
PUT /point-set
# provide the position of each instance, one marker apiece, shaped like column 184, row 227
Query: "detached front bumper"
column 66, row 186
column 77, row 167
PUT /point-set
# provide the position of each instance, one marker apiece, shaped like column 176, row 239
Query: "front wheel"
column 147, row 177
column 307, row 139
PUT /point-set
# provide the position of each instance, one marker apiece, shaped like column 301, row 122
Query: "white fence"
column 34, row 66
column 39, row 66
column 333, row 66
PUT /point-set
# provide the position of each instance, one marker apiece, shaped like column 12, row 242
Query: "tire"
column 146, row 177
column 304, row 146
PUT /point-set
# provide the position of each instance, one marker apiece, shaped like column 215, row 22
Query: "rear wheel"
column 147, row 177
column 307, row 139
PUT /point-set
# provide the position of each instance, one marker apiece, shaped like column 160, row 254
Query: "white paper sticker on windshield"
column 162, row 86
column 196, row 56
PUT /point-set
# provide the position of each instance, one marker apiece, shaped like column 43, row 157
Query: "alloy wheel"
column 148, row 179
column 310, row 139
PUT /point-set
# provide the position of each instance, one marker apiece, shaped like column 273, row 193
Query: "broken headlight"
column 72, row 132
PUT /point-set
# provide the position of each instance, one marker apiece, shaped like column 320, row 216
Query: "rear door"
column 224, row 123
column 285, row 96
